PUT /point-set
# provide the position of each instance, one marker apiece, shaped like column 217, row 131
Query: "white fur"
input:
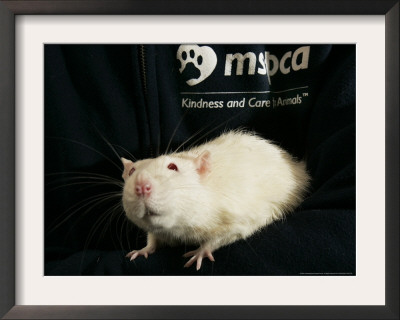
column 249, row 183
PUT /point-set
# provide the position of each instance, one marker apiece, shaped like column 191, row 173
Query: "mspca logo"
column 202, row 58
column 198, row 63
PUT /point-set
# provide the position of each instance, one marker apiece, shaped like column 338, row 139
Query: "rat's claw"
column 143, row 252
column 198, row 255
column 133, row 255
column 190, row 262
column 190, row 253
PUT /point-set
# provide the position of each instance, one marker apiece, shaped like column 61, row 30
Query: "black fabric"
column 135, row 99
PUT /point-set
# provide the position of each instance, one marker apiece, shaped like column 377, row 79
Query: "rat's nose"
column 143, row 188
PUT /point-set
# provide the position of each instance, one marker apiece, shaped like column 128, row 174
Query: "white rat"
column 211, row 195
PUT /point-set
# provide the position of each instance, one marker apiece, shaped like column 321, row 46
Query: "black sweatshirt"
column 107, row 101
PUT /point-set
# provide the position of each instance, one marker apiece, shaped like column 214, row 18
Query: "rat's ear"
column 128, row 165
column 203, row 163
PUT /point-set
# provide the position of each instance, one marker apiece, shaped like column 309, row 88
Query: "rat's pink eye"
column 131, row 171
column 172, row 166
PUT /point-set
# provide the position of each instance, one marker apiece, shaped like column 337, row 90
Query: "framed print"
column 91, row 88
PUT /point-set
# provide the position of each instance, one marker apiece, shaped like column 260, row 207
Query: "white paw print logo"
column 203, row 58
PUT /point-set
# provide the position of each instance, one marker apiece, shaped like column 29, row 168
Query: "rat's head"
column 159, row 194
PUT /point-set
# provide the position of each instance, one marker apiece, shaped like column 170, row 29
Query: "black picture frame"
column 8, row 11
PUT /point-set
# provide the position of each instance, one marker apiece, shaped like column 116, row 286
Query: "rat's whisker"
column 130, row 154
column 88, row 147
column 96, row 199
column 175, row 130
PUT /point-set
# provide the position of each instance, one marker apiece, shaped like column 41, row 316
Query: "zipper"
column 142, row 58
column 143, row 75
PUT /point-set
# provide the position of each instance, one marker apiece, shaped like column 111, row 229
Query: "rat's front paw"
column 198, row 255
column 143, row 252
